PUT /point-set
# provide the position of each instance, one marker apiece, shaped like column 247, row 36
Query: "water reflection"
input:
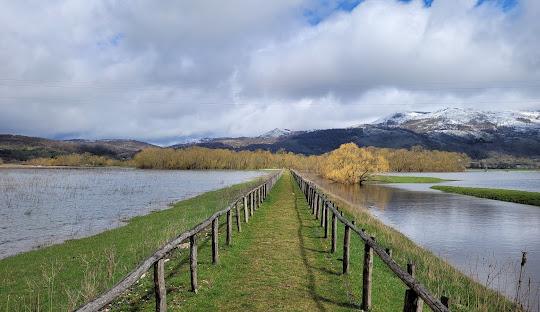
column 483, row 238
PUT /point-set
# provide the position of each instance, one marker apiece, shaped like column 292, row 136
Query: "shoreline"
column 410, row 250
column 506, row 195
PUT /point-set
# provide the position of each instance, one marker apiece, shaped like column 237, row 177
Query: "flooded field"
column 483, row 238
column 45, row 206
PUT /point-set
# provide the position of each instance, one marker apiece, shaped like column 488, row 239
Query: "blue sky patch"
column 328, row 7
column 112, row 41
column 504, row 4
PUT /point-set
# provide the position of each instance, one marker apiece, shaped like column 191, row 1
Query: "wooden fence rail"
column 321, row 206
column 157, row 260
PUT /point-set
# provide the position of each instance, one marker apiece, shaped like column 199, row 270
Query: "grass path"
column 280, row 264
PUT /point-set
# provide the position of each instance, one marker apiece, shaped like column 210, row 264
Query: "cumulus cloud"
column 166, row 71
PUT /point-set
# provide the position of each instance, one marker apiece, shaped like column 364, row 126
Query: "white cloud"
column 157, row 71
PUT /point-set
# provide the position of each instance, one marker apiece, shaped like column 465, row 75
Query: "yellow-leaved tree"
column 351, row 164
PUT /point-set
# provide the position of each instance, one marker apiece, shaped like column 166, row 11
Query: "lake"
column 481, row 237
column 40, row 207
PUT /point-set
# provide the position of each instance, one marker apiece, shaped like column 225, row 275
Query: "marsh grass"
column 405, row 179
column 514, row 196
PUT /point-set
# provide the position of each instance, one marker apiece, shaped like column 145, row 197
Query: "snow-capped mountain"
column 276, row 133
column 463, row 122
column 508, row 135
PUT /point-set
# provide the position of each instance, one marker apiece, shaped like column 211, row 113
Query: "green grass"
column 405, row 179
column 61, row 277
column 514, row 196
column 278, row 262
column 281, row 261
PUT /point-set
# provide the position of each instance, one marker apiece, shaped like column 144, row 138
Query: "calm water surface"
column 45, row 206
column 483, row 238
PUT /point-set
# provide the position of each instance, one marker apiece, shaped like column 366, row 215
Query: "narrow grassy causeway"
column 281, row 262
column 278, row 264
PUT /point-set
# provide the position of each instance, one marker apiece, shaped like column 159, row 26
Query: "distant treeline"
column 206, row 158
column 347, row 164
column 78, row 160
column 418, row 159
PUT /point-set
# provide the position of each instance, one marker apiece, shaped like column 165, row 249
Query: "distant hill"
column 20, row 148
column 480, row 134
column 499, row 139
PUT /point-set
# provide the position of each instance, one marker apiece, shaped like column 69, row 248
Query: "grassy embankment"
column 435, row 273
column 405, row 179
column 282, row 262
column 514, row 196
column 60, row 277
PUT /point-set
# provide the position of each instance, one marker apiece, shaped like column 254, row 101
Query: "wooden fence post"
column 159, row 285
column 215, row 240
column 346, row 251
column 317, row 207
column 246, row 217
column 238, row 223
column 256, row 198
column 413, row 303
column 193, row 262
column 323, row 212
column 251, row 201
column 325, row 219
column 334, row 233
column 229, row 228
column 367, row 276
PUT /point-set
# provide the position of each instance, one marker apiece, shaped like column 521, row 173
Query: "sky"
column 170, row 71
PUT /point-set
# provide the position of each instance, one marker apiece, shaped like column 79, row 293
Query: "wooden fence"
column 321, row 206
column 249, row 201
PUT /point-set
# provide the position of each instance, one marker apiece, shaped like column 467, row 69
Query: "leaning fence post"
column 159, row 285
column 334, row 233
column 215, row 231
column 346, row 251
column 193, row 262
column 367, row 276
column 413, row 303
column 229, row 227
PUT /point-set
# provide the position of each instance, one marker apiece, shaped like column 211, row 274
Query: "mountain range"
column 480, row 134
